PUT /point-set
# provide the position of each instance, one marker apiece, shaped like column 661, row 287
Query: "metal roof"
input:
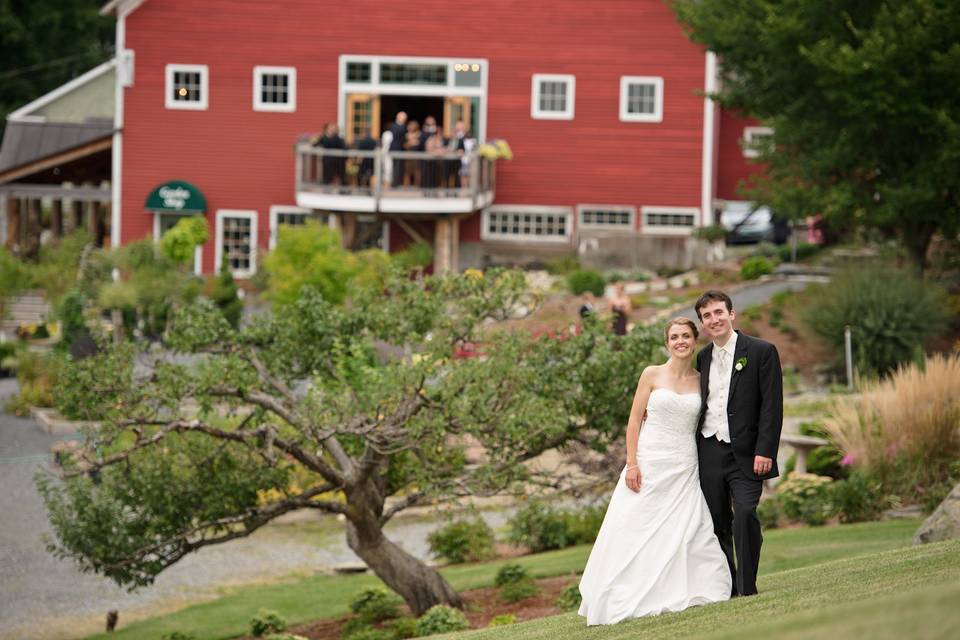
column 25, row 142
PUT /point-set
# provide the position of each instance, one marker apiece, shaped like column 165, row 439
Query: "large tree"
column 45, row 43
column 359, row 410
column 862, row 95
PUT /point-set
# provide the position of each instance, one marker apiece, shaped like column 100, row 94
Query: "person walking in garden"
column 656, row 550
column 741, row 385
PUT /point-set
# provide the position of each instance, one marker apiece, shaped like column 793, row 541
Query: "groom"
column 739, row 431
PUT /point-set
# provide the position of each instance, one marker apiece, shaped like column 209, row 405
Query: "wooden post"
column 441, row 246
column 56, row 218
column 31, row 230
column 107, row 224
column 348, row 229
column 455, row 245
column 13, row 222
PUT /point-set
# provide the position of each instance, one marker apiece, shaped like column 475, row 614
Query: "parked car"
column 747, row 223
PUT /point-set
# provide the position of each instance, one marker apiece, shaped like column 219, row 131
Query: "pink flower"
column 892, row 449
column 847, row 460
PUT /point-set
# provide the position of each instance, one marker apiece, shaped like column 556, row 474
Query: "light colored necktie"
column 722, row 360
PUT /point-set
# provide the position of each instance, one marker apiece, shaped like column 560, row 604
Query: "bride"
column 656, row 550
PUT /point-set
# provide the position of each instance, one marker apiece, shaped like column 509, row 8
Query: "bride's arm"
column 637, row 411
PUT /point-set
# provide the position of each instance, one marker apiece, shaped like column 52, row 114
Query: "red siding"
column 243, row 159
column 732, row 166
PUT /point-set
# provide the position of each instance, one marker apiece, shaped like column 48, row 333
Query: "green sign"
column 176, row 196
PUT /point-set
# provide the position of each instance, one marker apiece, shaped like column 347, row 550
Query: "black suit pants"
column 732, row 497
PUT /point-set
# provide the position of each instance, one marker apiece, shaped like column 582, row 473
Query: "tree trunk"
column 419, row 585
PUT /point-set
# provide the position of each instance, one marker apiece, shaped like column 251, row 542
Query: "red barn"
column 218, row 104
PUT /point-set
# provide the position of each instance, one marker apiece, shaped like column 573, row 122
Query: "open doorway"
column 417, row 108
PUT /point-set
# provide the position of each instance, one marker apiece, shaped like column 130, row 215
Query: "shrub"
column 584, row 280
column 309, row 255
column 754, row 267
column 903, row 431
column 510, row 573
column 539, row 527
column 583, row 524
column 859, row 498
column 891, row 313
column 375, row 604
column 178, row 635
column 806, row 497
column 563, row 265
column 441, row 619
column 462, row 541
column 769, row 512
column 178, row 244
column 570, row 599
column 804, row 251
column 267, row 622
column 223, row 291
column 368, row 633
column 405, row 627
column 519, row 590
column 37, row 376
column 502, row 620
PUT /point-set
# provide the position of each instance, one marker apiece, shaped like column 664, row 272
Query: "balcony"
column 395, row 182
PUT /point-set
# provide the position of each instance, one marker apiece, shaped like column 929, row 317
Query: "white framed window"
column 287, row 215
column 274, row 88
column 641, row 99
column 674, row 221
column 527, row 222
column 553, row 97
column 755, row 139
column 237, row 241
column 606, row 216
column 187, row 86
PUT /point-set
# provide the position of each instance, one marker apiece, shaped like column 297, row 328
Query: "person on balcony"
column 333, row 166
column 411, row 176
column 398, row 136
column 365, row 142
column 432, row 142
column 461, row 144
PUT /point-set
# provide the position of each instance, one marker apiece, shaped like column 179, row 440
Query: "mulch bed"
column 481, row 606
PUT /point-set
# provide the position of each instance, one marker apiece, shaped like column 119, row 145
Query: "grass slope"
column 307, row 599
column 909, row 592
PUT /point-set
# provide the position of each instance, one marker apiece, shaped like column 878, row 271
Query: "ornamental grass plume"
column 905, row 430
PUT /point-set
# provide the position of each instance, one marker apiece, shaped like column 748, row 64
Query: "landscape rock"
column 943, row 523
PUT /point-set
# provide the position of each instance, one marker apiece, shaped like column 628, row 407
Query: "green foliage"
column 583, row 524
column 754, row 267
column 711, row 233
column 804, row 250
column 15, row 276
column 864, row 145
column 224, row 293
column 511, row 572
column 404, row 627
column 58, row 263
column 807, row 498
column 179, row 243
column 891, row 313
column 309, row 255
column 366, row 632
column 583, row 280
column 502, row 620
column 179, row 635
column 859, row 498
column 416, row 255
column 267, row 622
column 38, row 376
column 539, row 527
column 70, row 314
column 466, row 540
column 441, row 619
column 519, row 590
column 563, row 265
column 570, row 598
column 375, row 605
column 770, row 512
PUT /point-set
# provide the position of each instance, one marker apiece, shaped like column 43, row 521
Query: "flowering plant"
column 741, row 363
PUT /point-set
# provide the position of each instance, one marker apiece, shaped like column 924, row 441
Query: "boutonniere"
column 741, row 363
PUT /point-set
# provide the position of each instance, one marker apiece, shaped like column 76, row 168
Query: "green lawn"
column 910, row 592
column 306, row 599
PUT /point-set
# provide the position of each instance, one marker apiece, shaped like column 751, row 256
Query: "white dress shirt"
column 715, row 421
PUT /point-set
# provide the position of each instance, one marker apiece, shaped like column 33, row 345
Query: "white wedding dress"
column 656, row 550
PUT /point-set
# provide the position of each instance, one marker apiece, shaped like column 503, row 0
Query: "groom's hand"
column 762, row 465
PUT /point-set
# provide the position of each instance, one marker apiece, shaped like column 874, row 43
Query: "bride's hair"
column 684, row 321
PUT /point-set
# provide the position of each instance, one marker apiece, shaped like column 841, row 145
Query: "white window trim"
column 657, row 115
column 204, row 87
column 668, row 230
column 526, row 208
column 282, row 208
column 197, row 253
column 218, row 253
column 291, row 104
column 581, row 208
column 749, row 135
column 535, row 111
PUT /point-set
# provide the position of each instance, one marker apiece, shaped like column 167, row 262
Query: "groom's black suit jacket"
column 754, row 404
